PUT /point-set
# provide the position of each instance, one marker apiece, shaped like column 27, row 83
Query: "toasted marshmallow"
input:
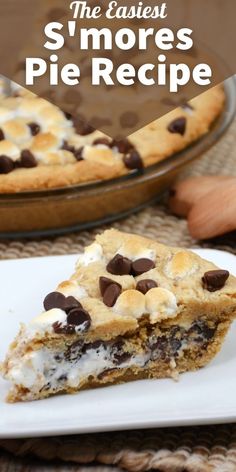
column 130, row 303
column 160, row 304
column 45, row 142
column 136, row 251
column 6, row 114
column 16, row 131
column 92, row 253
column 183, row 263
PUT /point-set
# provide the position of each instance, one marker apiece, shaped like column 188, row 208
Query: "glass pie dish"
column 78, row 207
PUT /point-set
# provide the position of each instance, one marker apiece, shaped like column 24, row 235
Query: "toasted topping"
column 47, row 319
column 6, row 165
column 27, row 159
column 161, row 304
column 111, row 294
column 104, row 283
column 142, row 265
column 178, row 126
column 214, row 280
column 34, row 128
column 54, row 300
column 119, row 265
column 79, row 316
column 145, row 285
column 130, row 303
column 133, row 160
column 182, row 263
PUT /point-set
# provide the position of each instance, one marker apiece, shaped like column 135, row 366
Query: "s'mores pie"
column 134, row 309
column 41, row 147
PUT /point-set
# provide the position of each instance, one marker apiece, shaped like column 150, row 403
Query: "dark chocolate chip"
column 34, row 128
column 142, row 265
column 60, row 328
column 79, row 316
column 94, row 345
column 68, row 115
column 6, row 165
column 119, row 265
column 74, row 351
column 133, row 160
column 2, row 136
column 178, row 126
column 78, row 153
column 70, row 303
column 129, row 119
column 111, row 294
column 123, row 146
column 214, row 280
column 54, row 300
column 104, row 283
column 103, row 141
column 145, row 285
column 83, row 128
column 27, row 159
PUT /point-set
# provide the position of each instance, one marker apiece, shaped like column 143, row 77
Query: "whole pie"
column 133, row 309
column 41, row 147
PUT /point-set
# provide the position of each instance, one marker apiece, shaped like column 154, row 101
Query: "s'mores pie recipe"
column 43, row 148
column 134, row 309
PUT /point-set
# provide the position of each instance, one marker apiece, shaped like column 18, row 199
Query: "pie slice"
column 133, row 309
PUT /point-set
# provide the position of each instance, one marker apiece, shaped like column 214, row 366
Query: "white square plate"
column 207, row 396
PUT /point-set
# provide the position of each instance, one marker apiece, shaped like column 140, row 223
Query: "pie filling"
column 56, row 369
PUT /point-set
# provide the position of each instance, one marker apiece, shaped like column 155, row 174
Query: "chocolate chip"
column 187, row 107
column 118, row 353
column 214, row 280
column 27, row 159
column 103, row 141
column 172, row 192
column 145, row 285
column 123, row 146
column 105, row 373
column 104, row 283
column 78, row 153
column 60, row 328
column 133, row 160
column 68, row 147
column 79, row 316
column 142, row 265
column 70, row 303
column 129, row 119
column 178, row 126
column 119, row 265
column 83, row 128
column 34, row 128
column 111, row 294
column 2, row 136
column 54, row 300
column 6, row 165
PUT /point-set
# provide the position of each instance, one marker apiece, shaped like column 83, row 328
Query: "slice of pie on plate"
column 133, row 309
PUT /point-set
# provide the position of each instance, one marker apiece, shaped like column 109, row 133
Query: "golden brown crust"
column 59, row 168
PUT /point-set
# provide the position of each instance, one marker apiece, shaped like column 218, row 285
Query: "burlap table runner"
column 192, row 449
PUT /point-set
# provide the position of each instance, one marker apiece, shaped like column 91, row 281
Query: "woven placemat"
column 195, row 449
